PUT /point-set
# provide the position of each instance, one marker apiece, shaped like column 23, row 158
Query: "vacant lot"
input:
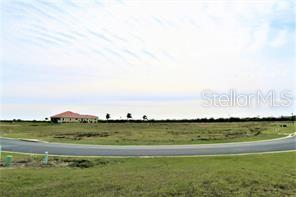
column 253, row 175
column 146, row 133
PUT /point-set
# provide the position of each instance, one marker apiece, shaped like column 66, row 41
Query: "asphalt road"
column 281, row 144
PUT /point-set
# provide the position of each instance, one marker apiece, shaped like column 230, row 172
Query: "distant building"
column 69, row 116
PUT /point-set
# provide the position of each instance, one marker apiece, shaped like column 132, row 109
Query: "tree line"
column 129, row 118
column 230, row 119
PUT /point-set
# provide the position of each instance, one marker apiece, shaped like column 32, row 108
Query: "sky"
column 143, row 57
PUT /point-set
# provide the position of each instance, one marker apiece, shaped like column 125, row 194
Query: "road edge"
column 161, row 156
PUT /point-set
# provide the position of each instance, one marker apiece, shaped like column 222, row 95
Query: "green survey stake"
column 45, row 159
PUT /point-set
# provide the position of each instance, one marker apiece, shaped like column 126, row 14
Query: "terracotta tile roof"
column 69, row 114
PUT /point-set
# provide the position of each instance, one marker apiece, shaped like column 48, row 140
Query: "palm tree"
column 145, row 117
column 129, row 116
column 108, row 116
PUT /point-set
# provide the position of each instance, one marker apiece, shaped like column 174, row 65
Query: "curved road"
column 281, row 144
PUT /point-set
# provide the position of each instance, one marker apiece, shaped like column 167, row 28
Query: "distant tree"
column 108, row 116
column 145, row 117
column 129, row 116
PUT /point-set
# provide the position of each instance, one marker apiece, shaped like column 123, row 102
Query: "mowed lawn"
column 252, row 175
column 146, row 133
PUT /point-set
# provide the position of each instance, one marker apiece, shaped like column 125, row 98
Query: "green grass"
column 252, row 175
column 146, row 133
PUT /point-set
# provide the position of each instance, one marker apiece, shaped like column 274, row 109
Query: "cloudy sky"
column 143, row 57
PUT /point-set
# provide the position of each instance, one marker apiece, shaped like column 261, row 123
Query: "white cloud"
column 283, row 5
column 260, row 36
column 280, row 39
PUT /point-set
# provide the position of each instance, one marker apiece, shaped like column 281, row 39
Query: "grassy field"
column 253, row 175
column 147, row 133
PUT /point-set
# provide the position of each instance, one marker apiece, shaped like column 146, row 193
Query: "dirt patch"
column 255, row 131
column 28, row 162
column 232, row 135
column 208, row 137
column 62, row 162
column 180, row 132
column 227, row 135
column 81, row 135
